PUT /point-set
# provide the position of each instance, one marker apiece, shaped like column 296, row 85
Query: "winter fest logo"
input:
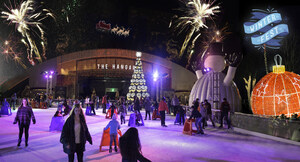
column 266, row 28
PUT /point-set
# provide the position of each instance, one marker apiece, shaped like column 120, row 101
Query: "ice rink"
column 161, row 144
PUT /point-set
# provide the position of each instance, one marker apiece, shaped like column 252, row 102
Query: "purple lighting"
column 206, row 69
column 48, row 74
column 155, row 76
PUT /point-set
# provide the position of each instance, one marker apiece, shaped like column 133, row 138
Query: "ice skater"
column 14, row 100
column 136, row 102
column 147, row 105
column 122, row 112
column 23, row 117
column 104, row 102
column 130, row 146
column 204, row 115
column 162, row 108
column 112, row 110
column 113, row 132
column 138, row 118
column 75, row 133
column 198, row 119
column 66, row 108
column 225, row 110
column 181, row 115
column 207, row 106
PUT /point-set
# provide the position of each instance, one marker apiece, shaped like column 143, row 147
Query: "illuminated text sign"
column 264, row 28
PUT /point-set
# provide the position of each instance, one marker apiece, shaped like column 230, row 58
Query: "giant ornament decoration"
column 277, row 93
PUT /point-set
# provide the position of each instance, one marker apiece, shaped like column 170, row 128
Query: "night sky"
column 148, row 21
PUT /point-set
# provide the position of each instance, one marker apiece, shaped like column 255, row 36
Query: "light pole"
column 46, row 75
column 155, row 77
column 159, row 91
column 49, row 76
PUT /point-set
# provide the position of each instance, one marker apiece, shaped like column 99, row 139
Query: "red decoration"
column 277, row 93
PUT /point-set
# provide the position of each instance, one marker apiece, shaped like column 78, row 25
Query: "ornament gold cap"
column 278, row 68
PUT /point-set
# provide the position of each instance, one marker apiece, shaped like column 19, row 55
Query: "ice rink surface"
column 161, row 144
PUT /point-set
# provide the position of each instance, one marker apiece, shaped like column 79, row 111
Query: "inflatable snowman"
column 212, row 83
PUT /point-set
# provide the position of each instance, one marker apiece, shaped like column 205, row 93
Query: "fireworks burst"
column 197, row 13
column 215, row 34
column 8, row 52
column 28, row 21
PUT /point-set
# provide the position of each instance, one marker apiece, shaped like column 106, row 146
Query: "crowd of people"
column 202, row 112
column 75, row 131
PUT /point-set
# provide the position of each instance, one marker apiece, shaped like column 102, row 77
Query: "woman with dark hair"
column 66, row 108
column 23, row 117
column 136, row 102
column 130, row 146
column 58, row 113
column 75, row 133
column 147, row 105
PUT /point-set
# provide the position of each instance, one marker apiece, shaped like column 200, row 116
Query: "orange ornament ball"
column 277, row 93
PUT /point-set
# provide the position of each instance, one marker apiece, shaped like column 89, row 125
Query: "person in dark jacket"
column 14, row 100
column 112, row 110
column 196, row 103
column 75, row 133
column 122, row 112
column 137, row 106
column 225, row 110
column 181, row 114
column 207, row 106
column 66, row 108
column 198, row 119
column 104, row 102
column 130, row 146
column 23, row 117
column 147, row 105
column 93, row 103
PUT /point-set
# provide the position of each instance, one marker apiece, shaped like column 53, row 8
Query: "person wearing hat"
column 113, row 132
column 162, row 108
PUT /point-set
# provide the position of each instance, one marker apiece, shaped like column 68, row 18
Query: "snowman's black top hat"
column 214, row 49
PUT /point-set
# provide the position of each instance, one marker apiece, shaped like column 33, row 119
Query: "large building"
column 109, row 71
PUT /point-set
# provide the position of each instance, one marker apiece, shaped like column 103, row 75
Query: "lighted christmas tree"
column 137, row 83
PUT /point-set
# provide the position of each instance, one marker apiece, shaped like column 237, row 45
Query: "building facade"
column 108, row 71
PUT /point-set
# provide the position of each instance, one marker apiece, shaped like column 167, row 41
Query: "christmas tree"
column 137, row 83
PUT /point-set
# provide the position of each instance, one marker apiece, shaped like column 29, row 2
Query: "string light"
column 137, row 83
